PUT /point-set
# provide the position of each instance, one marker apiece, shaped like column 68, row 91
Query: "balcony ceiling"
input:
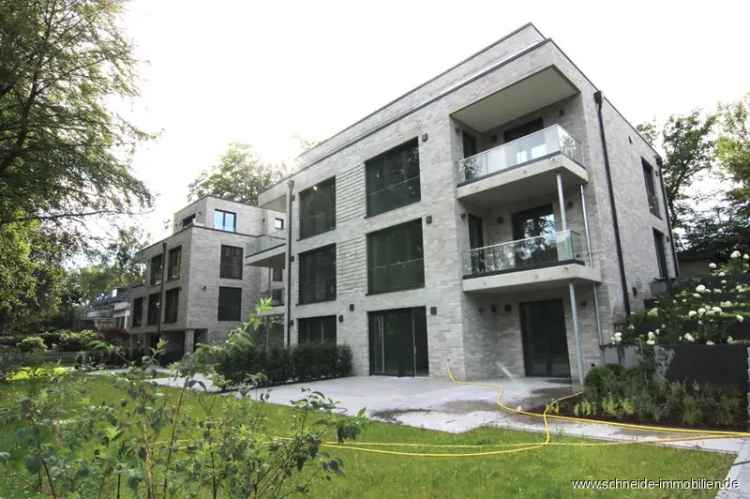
column 533, row 92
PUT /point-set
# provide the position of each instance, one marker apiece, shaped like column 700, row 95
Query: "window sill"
column 417, row 201
column 316, row 234
column 230, row 278
column 314, row 302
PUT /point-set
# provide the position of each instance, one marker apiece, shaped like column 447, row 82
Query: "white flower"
column 700, row 288
column 724, row 282
column 716, row 310
column 654, row 312
column 658, row 330
column 740, row 318
column 692, row 313
column 709, row 342
column 712, row 265
column 722, row 274
column 696, row 295
column 730, row 340
column 735, row 254
column 650, row 342
column 689, row 337
column 717, row 290
column 684, row 300
column 631, row 328
column 651, row 336
column 726, row 304
column 701, row 311
column 746, row 257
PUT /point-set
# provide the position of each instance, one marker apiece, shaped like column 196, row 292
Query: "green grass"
column 537, row 473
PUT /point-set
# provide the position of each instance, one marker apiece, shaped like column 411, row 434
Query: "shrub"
column 32, row 344
column 76, row 341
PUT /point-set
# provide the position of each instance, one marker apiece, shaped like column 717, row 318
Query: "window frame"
column 154, row 277
column 220, row 307
column 394, row 232
column 170, row 316
column 170, row 264
column 277, row 271
column 224, row 214
column 306, row 211
column 652, row 196
column 317, row 322
column 302, row 277
column 224, row 265
column 137, row 312
column 188, row 220
column 384, row 161
column 153, row 315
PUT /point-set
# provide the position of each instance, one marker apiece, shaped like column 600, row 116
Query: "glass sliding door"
column 398, row 342
column 545, row 344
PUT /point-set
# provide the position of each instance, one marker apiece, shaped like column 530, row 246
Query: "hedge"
column 304, row 362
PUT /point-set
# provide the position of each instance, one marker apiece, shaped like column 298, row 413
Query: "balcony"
column 521, row 169
column 267, row 250
column 535, row 262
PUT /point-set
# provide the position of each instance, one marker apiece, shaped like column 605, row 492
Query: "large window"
column 154, row 309
column 648, row 177
column 661, row 254
column 317, row 330
column 157, row 269
column 393, row 178
column 231, row 262
column 171, row 304
column 277, row 273
column 174, row 263
column 317, row 275
column 317, row 208
column 225, row 220
column 230, row 304
column 137, row 312
column 395, row 258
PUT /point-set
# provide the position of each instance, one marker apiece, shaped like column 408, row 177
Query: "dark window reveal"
column 154, row 309
column 393, row 179
column 137, row 312
column 661, row 255
column 395, row 258
column 231, row 262
column 171, row 305
column 522, row 130
column 225, row 220
column 317, row 210
column 277, row 273
column 278, row 223
column 174, row 263
column 317, row 275
column 188, row 220
column 230, row 304
column 317, row 330
column 157, row 269
column 648, row 177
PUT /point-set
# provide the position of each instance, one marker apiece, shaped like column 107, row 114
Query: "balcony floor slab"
column 528, row 280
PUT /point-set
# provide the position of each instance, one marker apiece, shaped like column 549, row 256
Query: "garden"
column 691, row 350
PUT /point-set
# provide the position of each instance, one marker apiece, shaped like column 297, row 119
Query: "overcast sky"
column 263, row 72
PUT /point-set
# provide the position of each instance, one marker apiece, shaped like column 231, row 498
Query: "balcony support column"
column 561, row 200
column 576, row 331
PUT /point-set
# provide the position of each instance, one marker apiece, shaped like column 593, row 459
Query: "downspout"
column 676, row 264
column 615, row 225
column 287, row 320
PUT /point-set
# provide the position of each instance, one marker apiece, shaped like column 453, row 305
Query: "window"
column 317, row 330
column 188, row 220
column 157, row 269
column 317, row 208
column 171, row 304
column 278, row 223
column 154, row 309
column 523, row 130
column 174, row 263
column 648, row 176
column 661, row 256
column 392, row 179
column 317, row 275
column 137, row 312
column 231, row 262
column 225, row 220
column 230, row 304
column 395, row 258
column 277, row 274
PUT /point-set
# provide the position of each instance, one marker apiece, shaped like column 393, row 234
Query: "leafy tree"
column 734, row 152
column 688, row 149
column 240, row 175
column 63, row 154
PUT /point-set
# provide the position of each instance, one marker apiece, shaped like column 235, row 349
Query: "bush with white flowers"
column 706, row 311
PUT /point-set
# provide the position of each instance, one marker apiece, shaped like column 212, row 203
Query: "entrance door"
column 534, row 233
column 545, row 345
column 476, row 240
column 398, row 342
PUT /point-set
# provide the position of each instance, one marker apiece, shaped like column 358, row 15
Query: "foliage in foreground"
column 139, row 442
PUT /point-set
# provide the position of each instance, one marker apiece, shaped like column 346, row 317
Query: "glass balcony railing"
column 545, row 142
column 525, row 254
column 265, row 242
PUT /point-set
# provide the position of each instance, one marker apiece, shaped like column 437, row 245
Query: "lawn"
column 544, row 472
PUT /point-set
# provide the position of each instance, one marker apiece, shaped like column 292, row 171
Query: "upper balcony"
column 267, row 250
column 536, row 262
column 522, row 168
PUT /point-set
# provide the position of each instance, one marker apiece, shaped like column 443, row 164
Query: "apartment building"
column 497, row 220
column 198, row 273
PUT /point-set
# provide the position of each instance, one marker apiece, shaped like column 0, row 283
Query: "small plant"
column 32, row 344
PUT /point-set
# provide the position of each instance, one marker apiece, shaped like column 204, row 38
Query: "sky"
column 263, row 73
